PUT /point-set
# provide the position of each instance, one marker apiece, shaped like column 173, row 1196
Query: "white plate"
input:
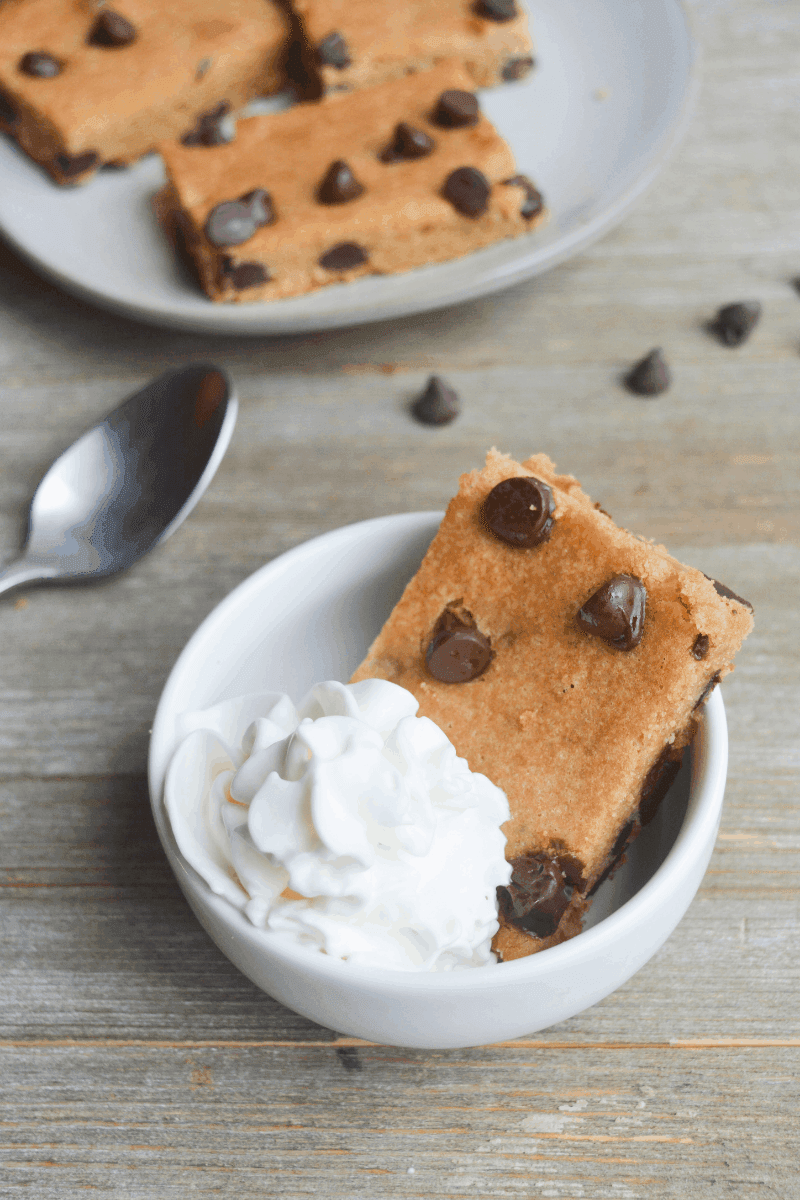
column 592, row 127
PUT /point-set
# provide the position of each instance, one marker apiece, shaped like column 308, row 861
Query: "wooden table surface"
column 135, row 1060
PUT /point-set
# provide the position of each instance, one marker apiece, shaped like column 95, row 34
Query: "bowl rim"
column 699, row 825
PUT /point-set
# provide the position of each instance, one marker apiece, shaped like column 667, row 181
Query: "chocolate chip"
column 700, row 646
column 735, row 322
column 339, row 185
column 517, row 68
column 261, row 208
column 455, row 109
column 408, row 143
column 722, row 590
column 520, row 512
column 243, row 275
column 73, row 165
column 533, row 203
column 8, row 113
column 344, row 256
column 657, row 782
column 202, row 68
column 230, row 224
column 439, row 404
column 211, row 128
column 649, row 377
column 40, row 65
column 497, row 10
column 112, row 30
column 537, row 895
column 333, row 52
column 468, row 191
column 707, row 690
column 615, row 612
column 457, row 652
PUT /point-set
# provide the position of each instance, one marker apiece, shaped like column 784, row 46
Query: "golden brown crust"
column 565, row 723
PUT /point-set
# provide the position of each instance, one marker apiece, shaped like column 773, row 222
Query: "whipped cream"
column 349, row 825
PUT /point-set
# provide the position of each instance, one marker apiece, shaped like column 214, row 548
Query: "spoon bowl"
column 129, row 481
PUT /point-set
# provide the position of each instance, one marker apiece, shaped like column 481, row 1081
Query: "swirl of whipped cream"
column 349, row 825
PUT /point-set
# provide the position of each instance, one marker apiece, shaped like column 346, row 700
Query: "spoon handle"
column 23, row 571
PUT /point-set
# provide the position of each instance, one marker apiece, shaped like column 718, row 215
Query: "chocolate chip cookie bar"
column 381, row 181
column 359, row 43
column 566, row 659
column 83, row 84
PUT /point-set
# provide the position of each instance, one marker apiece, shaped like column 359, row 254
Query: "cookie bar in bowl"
column 377, row 182
column 85, row 84
column 566, row 659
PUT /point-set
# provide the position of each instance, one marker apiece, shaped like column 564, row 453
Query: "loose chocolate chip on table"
column 735, row 322
column 333, row 52
column 40, row 65
column 73, row 165
column 456, row 109
column 468, row 191
column 8, row 113
column 520, row 512
column 537, row 896
column 112, row 30
column 457, row 652
column 439, row 404
column 497, row 10
column 650, row 376
column 616, row 611
column 517, row 68
column 707, row 690
column 344, row 257
column 722, row 590
column 408, row 143
column 339, row 185
column 533, row 203
column 700, row 647
column 230, row 224
column 243, row 275
column 211, row 128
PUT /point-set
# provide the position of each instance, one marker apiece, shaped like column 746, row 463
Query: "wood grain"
column 135, row 1060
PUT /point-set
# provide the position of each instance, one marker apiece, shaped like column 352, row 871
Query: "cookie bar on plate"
column 82, row 84
column 565, row 659
column 375, row 182
column 358, row 43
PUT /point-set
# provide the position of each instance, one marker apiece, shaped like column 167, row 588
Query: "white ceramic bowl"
column 310, row 615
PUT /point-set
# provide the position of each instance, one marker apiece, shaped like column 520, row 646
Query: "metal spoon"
column 130, row 481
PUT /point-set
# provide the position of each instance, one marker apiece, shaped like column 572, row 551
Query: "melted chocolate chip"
column 468, row 191
column 211, row 128
column 408, row 143
column 520, row 512
column 40, row 65
column 537, row 895
column 497, row 10
column 722, row 590
column 457, row 652
column 439, row 404
column 707, row 690
column 657, row 782
column 455, row 109
column 615, row 612
column 650, row 376
column 244, row 275
column 517, row 68
column 230, row 224
column 72, row 165
column 343, row 257
column 333, row 52
column 112, row 30
column 700, row 646
column 533, row 203
column 735, row 322
column 8, row 113
column 339, row 186
column 261, row 208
